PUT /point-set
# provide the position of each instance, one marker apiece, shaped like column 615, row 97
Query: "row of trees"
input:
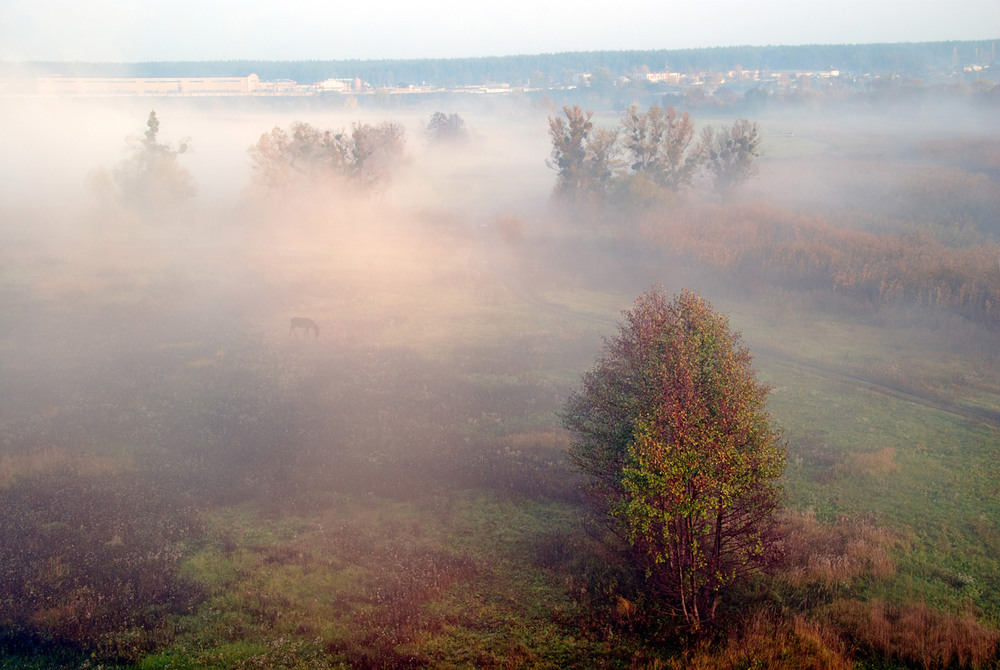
column 152, row 177
column 649, row 156
column 929, row 60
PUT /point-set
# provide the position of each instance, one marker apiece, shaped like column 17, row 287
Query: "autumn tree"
column 730, row 154
column 671, row 429
column 151, row 176
column 280, row 157
column 305, row 154
column 374, row 152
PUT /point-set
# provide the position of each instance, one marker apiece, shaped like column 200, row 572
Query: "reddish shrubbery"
column 826, row 561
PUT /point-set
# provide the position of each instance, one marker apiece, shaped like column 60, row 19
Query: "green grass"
column 858, row 449
column 459, row 587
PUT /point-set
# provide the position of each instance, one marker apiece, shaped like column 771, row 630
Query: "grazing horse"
column 303, row 323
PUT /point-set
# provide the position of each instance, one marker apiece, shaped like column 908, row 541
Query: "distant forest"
column 927, row 60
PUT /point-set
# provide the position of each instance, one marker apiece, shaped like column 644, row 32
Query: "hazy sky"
column 175, row 30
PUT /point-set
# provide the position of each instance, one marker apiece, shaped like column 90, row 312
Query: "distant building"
column 114, row 86
column 664, row 77
column 340, row 85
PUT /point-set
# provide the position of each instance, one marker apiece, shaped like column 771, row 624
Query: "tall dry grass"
column 872, row 464
column 832, row 556
column 48, row 459
column 766, row 640
column 765, row 245
column 916, row 634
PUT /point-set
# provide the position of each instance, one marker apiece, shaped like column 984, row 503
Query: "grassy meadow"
column 185, row 484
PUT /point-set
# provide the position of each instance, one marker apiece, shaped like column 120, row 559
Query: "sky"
column 191, row 30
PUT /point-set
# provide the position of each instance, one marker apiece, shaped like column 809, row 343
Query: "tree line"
column 921, row 59
column 644, row 163
column 151, row 176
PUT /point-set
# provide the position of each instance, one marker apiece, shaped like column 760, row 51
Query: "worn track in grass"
column 777, row 356
column 988, row 417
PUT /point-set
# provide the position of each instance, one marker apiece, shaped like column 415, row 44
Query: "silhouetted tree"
column 569, row 149
column 279, row 157
column 585, row 158
column 374, row 150
column 447, row 128
column 365, row 155
column 602, row 161
column 648, row 160
column 657, row 143
column 671, row 429
column 730, row 154
column 151, row 176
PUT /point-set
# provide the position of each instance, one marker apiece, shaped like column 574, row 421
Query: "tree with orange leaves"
column 671, row 428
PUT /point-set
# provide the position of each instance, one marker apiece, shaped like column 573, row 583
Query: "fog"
column 458, row 236
column 457, row 301
column 444, row 256
column 121, row 321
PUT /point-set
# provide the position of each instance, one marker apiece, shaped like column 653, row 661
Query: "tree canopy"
column 447, row 128
column 365, row 155
column 729, row 154
column 657, row 142
column 671, row 429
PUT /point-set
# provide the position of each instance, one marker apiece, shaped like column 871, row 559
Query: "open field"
column 185, row 484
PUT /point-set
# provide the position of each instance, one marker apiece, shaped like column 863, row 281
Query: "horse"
column 305, row 324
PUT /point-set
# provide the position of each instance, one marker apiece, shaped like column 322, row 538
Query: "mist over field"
column 179, row 470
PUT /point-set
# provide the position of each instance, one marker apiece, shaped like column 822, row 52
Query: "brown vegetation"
column 913, row 635
column 92, row 563
column 829, row 557
column 832, row 561
column 869, row 464
column 916, row 634
column 766, row 640
column 764, row 245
